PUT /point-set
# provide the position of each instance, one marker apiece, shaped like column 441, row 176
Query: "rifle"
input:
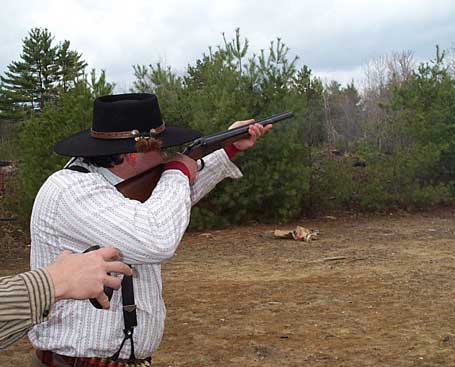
column 140, row 187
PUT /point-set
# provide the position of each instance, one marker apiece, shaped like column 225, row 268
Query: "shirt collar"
column 110, row 177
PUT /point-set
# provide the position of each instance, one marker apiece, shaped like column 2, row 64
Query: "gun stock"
column 141, row 186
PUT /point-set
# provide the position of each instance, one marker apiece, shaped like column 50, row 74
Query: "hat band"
column 127, row 134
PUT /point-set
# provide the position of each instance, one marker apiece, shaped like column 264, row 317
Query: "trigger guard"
column 202, row 165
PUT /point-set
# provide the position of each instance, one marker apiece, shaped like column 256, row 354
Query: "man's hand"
column 255, row 131
column 82, row 276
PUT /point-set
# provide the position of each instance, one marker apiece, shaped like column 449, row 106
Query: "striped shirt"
column 25, row 300
column 76, row 210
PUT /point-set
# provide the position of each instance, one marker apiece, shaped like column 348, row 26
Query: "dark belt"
column 52, row 359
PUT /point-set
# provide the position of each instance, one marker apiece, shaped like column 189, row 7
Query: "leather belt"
column 52, row 359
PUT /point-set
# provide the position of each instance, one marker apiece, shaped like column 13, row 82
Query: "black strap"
column 129, row 310
column 129, row 316
column 78, row 169
column 129, row 307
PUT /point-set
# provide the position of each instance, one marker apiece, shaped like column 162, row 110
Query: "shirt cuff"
column 231, row 150
column 228, row 167
column 41, row 293
column 178, row 166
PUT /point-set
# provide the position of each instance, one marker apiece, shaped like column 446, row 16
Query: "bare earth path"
column 372, row 291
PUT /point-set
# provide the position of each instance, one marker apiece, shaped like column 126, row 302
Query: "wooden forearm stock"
column 140, row 187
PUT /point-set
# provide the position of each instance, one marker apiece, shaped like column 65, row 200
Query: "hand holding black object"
column 103, row 299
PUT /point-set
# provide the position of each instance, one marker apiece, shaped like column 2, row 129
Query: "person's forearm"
column 25, row 300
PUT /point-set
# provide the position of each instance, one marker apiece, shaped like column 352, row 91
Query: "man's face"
column 136, row 163
column 145, row 161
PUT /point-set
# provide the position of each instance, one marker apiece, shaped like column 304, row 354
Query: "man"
column 79, row 206
column 26, row 299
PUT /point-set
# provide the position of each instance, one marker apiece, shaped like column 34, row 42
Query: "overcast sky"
column 334, row 38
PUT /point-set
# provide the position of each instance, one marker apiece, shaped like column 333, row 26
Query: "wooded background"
column 388, row 144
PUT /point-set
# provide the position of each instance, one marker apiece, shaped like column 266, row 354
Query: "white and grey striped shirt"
column 76, row 210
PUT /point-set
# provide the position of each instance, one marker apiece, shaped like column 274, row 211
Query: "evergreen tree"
column 29, row 84
column 425, row 109
column 71, row 66
column 70, row 114
column 309, row 93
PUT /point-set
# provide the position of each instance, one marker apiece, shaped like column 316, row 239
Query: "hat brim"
column 83, row 144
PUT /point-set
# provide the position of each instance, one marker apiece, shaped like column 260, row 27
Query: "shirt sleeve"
column 25, row 300
column 217, row 166
column 92, row 212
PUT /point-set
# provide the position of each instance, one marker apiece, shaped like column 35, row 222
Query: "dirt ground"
column 371, row 291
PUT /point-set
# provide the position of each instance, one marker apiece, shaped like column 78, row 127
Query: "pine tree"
column 71, row 66
column 71, row 113
column 34, row 81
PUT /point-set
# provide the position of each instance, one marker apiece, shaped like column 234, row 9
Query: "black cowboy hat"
column 118, row 122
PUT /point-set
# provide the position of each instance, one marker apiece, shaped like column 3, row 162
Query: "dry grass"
column 235, row 298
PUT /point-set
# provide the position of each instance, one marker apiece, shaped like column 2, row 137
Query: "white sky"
column 334, row 38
